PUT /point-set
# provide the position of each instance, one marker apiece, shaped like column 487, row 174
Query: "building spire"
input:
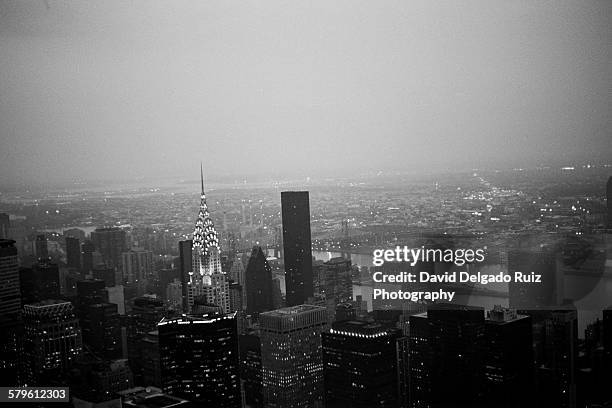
column 202, row 177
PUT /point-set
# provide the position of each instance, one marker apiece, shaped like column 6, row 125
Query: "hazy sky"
column 121, row 89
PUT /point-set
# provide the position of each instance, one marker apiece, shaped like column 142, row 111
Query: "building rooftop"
column 337, row 260
column 293, row 310
column 151, row 397
column 359, row 328
column 46, row 303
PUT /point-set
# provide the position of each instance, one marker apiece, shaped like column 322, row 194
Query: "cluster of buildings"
column 223, row 334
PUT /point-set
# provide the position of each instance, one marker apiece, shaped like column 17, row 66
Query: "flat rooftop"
column 285, row 311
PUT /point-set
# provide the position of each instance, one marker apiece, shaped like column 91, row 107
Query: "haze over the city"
column 119, row 90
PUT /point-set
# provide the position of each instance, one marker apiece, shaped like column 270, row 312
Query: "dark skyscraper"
column 99, row 319
column 447, row 356
column 101, row 327
column 609, row 198
column 4, row 226
column 40, row 282
column 297, row 246
column 508, row 358
column 52, row 341
column 557, row 373
column 110, row 242
column 360, row 365
column 10, row 303
column 146, row 312
column 104, row 273
column 41, row 247
column 87, row 251
column 258, row 283
column 199, row 359
column 250, row 368
column 149, row 359
column 419, row 375
column 73, row 253
column 607, row 333
column 91, row 291
column 185, row 266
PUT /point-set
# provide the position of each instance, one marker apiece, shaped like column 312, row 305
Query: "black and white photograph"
column 306, row 204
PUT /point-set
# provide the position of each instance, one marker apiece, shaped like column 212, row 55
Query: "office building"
column 258, row 283
column 146, row 312
column 51, row 342
column 5, row 224
column 250, row 368
column 333, row 284
column 185, row 266
column 111, row 243
column 297, row 247
column 101, row 327
column 151, row 397
column 39, row 282
column 609, row 201
column 199, row 359
column 10, row 319
column 41, row 248
column 137, row 266
column 73, row 253
column 291, row 356
column 150, row 360
column 360, row 365
column 508, row 359
column 447, row 349
column 87, row 256
column 105, row 274
column 10, row 295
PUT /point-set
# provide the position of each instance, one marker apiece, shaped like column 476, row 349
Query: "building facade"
column 291, row 356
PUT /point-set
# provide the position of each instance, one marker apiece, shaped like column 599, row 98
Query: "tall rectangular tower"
column 10, row 297
column 609, row 201
column 185, row 266
column 297, row 246
column 508, row 361
column 73, row 253
column 291, row 356
column 10, row 320
column 4, row 226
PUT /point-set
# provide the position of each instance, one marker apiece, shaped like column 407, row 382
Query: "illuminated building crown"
column 205, row 236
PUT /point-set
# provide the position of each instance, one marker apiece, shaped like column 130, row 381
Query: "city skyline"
column 399, row 204
column 331, row 345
